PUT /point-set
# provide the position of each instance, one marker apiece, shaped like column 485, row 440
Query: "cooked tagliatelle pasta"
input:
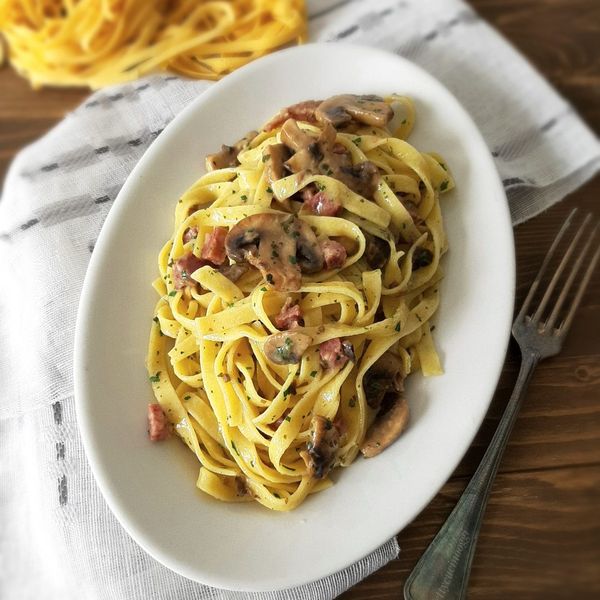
column 296, row 295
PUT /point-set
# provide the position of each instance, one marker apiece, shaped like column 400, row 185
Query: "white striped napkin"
column 57, row 537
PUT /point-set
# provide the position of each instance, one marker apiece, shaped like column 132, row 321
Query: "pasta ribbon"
column 97, row 43
column 296, row 293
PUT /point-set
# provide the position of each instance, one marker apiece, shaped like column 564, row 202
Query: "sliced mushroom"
column 321, row 451
column 383, row 376
column 276, row 154
column 363, row 178
column 323, row 156
column 309, row 254
column 308, row 151
column 281, row 246
column 386, row 428
column 422, row 257
column 241, row 486
column 412, row 208
column 377, row 251
column 227, row 155
column 287, row 347
column 341, row 110
column 235, row 271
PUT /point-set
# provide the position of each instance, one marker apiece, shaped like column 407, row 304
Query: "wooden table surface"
column 541, row 534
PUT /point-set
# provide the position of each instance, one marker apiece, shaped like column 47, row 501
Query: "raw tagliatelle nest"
column 96, row 43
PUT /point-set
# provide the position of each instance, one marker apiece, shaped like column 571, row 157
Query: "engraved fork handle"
column 443, row 571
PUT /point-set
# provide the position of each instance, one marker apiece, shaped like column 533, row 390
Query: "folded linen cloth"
column 57, row 537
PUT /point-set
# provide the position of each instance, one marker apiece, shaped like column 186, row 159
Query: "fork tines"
column 583, row 251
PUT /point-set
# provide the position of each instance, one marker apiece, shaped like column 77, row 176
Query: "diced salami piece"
column 303, row 111
column 335, row 354
column 334, row 254
column 191, row 233
column 320, row 203
column 321, row 452
column 183, row 268
column 158, row 426
column 289, row 317
column 214, row 246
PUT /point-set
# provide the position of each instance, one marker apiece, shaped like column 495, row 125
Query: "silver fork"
column 443, row 571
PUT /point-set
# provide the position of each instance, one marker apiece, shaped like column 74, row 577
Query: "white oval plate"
column 151, row 487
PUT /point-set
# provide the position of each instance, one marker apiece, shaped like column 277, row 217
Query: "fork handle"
column 443, row 571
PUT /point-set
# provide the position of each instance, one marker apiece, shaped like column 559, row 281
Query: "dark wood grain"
column 532, row 544
column 541, row 535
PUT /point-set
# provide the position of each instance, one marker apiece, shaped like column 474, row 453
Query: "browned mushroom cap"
column 363, row 178
column 227, row 155
column 235, row 271
column 293, row 137
column 286, row 348
column 321, row 451
column 386, row 428
column 382, row 377
column 309, row 254
column 276, row 154
column 323, row 156
column 377, row 251
column 422, row 257
column 341, row 110
column 412, row 208
column 308, row 152
column 281, row 246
